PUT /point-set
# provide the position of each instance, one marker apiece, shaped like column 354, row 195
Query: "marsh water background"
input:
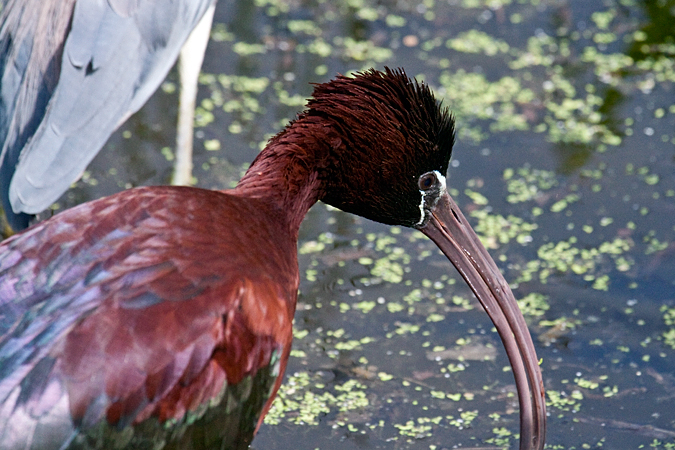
column 565, row 165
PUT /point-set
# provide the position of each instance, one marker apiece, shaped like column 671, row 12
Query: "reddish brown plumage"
column 174, row 320
column 240, row 308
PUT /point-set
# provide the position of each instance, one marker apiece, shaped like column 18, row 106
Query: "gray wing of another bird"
column 60, row 101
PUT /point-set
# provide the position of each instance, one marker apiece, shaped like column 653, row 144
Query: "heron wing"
column 29, row 70
column 110, row 58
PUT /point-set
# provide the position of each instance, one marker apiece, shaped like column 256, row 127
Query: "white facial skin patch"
column 423, row 212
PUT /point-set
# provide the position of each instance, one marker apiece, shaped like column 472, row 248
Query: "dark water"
column 565, row 161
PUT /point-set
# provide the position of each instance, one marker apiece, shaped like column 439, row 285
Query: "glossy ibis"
column 161, row 316
column 72, row 71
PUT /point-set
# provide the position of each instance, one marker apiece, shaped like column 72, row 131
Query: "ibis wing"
column 133, row 322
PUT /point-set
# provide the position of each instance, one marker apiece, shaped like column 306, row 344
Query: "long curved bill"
column 451, row 232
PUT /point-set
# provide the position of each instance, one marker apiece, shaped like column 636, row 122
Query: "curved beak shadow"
column 453, row 235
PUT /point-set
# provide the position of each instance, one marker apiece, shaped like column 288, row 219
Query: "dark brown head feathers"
column 390, row 131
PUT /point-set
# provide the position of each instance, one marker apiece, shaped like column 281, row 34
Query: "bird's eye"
column 427, row 181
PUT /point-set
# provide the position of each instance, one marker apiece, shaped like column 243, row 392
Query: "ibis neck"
column 286, row 172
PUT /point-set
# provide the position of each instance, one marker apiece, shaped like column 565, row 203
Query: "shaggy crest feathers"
column 385, row 120
column 409, row 105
